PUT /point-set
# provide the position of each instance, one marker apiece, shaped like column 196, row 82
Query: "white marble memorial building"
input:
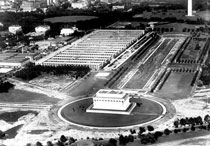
column 111, row 101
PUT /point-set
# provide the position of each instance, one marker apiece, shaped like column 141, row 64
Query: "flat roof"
column 99, row 45
column 5, row 70
column 14, row 57
column 109, row 93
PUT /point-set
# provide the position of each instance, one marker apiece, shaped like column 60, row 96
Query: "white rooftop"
column 5, row 70
column 109, row 93
column 102, row 74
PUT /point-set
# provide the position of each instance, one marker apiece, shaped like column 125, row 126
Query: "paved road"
column 25, row 106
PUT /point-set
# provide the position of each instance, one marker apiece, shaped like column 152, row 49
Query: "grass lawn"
column 140, row 78
column 177, row 85
column 190, row 52
column 147, row 111
column 52, row 82
column 20, row 96
column 38, row 131
column 204, row 14
column 14, row 116
column 69, row 19
column 11, row 133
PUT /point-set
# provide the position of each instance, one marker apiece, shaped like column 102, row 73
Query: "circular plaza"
column 74, row 113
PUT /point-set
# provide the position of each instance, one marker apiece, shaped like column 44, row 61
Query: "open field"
column 76, row 113
column 177, row 85
column 69, row 19
column 204, row 14
column 11, row 133
column 52, row 82
column 14, row 116
column 154, row 62
column 190, row 53
column 21, row 96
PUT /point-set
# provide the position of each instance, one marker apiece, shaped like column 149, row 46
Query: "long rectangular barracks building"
column 94, row 49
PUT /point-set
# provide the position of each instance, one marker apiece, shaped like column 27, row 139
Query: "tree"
column 167, row 131
column 208, row 127
column 71, row 140
column 2, row 134
column 183, row 122
column 185, row 129
column 122, row 140
column 197, row 47
column 132, row 131
column 63, row 139
column 176, row 131
column 192, row 121
column 113, row 141
column 49, row 143
column 158, row 134
column 141, row 130
column 59, row 143
column 150, row 128
column 144, row 141
column 187, row 120
column 192, row 128
column 207, row 118
column 176, row 124
column 5, row 86
column 130, row 138
column 198, row 120
column 66, row 5
column 151, row 138
column 38, row 143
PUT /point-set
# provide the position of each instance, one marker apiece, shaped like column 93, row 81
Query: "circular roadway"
column 75, row 113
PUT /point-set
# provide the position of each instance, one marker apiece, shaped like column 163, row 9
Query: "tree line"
column 5, row 87
column 146, row 135
column 205, row 74
column 32, row 71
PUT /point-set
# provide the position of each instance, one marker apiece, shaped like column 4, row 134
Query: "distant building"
column 31, row 5
column 27, row 6
column 93, row 50
column 118, row 7
column 111, row 102
column 111, row 1
column 13, row 60
column 68, row 31
column 14, row 29
column 3, row 2
column 1, row 24
column 79, row 5
column 111, row 99
column 52, row 2
column 42, row 29
column 104, row 1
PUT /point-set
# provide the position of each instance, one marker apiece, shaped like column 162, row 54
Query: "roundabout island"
column 75, row 113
